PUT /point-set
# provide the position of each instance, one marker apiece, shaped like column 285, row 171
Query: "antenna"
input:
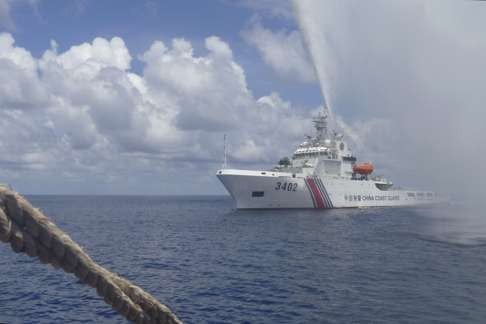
column 225, row 162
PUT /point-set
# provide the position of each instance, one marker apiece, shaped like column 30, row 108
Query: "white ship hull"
column 269, row 189
column 322, row 173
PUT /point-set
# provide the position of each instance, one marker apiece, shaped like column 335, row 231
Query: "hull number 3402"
column 286, row 186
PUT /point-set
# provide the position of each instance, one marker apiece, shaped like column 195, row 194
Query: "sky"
column 134, row 97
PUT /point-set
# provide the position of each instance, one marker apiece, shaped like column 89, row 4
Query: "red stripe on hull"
column 310, row 192
column 316, row 193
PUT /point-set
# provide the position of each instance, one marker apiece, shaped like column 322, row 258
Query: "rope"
column 29, row 231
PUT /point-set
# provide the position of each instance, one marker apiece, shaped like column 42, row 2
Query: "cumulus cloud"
column 84, row 113
column 91, row 57
column 20, row 84
column 283, row 50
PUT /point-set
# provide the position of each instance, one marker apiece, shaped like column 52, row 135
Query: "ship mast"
column 320, row 124
column 225, row 162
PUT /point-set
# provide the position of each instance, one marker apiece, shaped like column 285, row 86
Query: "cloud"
column 6, row 8
column 271, row 8
column 283, row 50
column 5, row 18
column 92, row 57
column 20, row 85
column 84, row 114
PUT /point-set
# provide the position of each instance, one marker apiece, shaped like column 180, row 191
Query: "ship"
column 322, row 173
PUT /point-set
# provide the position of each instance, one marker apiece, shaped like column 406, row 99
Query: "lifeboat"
column 363, row 168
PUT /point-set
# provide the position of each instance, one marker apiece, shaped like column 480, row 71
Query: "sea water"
column 212, row 264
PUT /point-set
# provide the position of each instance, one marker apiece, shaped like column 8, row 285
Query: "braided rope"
column 29, row 231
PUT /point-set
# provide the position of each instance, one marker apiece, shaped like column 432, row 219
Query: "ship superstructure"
column 322, row 173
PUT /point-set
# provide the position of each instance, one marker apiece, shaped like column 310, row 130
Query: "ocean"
column 212, row 264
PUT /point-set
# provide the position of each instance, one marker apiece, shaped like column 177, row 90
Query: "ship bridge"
column 324, row 154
